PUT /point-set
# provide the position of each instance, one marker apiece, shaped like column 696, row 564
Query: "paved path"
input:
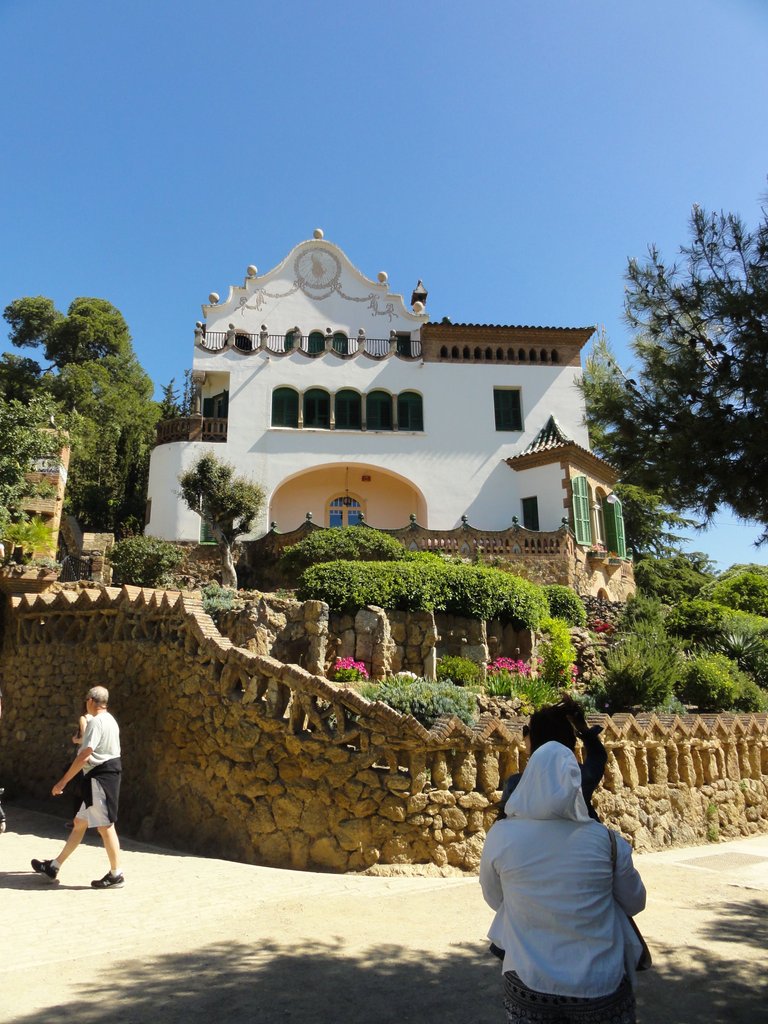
column 191, row 940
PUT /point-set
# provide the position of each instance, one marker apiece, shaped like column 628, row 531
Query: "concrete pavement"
column 194, row 940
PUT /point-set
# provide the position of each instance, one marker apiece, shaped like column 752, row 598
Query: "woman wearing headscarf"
column 562, row 904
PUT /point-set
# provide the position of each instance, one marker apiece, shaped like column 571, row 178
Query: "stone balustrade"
column 235, row 753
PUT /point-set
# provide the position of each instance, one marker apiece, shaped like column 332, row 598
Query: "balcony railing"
column 192, row 428
column 277, row 344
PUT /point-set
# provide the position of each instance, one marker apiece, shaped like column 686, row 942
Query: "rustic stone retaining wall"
column 234, row 753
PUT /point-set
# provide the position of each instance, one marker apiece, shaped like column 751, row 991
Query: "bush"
column 565, row 604
column 696, row 620
column 746, row 591
column 426, row 584
column 749, row 696
column 642, row 611
column 145, row 561
column 424, row 699
column 745, row 644
column 459, row 671
column 672, row 579
column 557, row 655
column 348, row 543
column 217, row 600
column 641, row 671
column 709, row 682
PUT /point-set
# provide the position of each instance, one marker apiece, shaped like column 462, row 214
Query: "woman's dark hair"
column 549, row 724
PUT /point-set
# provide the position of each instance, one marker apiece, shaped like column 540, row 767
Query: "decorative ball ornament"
column 252, row 271
column 318, row 233
column 418, row 307
column 383, row 277
column 213, row 298
column 199, row 324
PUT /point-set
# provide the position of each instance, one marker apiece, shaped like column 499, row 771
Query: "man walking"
column 99, row 759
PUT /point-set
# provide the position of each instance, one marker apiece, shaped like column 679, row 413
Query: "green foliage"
column 746, row 591
column 424, row 699
column 709, row 681
column 217, row 600
column 460, row 671
column 744, row 643
column 641, row 670
column 696, row 620
column 565, row 604
column 23, row 441
column 351, row 543
column 675, row 578
column 649, row 523
column 145, row 561
column 531, row 690
column 749, row 696
column 101, row 394
column 424, row 585
column 229, row 503
column 692, row 423
column 642, row 611
column 30, row 535
column 556, row 654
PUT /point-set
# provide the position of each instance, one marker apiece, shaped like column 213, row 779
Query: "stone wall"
column 234, row 753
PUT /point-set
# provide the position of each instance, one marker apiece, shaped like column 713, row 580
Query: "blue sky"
column 512, row 154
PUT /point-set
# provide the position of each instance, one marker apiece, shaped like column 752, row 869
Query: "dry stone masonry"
column 233, row 751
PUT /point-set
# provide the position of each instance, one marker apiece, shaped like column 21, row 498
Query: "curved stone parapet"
column 238, row 754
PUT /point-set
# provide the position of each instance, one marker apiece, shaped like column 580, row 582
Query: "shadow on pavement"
column 321, row 983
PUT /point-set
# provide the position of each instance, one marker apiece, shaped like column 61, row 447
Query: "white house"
column 325, row 387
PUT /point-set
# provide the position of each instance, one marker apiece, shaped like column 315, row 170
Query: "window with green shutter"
column 378, row 411
column 410, row 412
column 530, row 513
column 317, row 409
column 285, row 407
column 507, row 409
column 614, row 526
column 348, row 409
column 316, row 343
column 581, row 523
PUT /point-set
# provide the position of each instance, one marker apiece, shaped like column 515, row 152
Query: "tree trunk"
column 228, row 573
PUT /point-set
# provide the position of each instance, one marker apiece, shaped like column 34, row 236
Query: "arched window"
column 244, row 342
column 292, row 340
column 378, row 411
column 478, row 354
column 543, row 355
column 500, row 353
column 316, row 343
column 285, row 407
column 488, row 354
column 348, row 410
column 521, row 355
column 455, row 352
column 341, row 343
column 554, row 358
column 410, row 412
column 443, row 351
column 344, row 511
column 511, row 355
column 317, row 408
column 465, row 353
column 532, row 355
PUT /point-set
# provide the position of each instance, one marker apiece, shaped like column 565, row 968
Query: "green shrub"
column 744, row 643
column 565, row 604
column 672, row 579
column 746, row 591
column 460, row 671
column 696, row 620
column 709, row 682
column 348, row 543
column 642, row 611
column 145, row 561
column 641, row 671
column 217, row 600
column 424, row 699
column 426, row 584
column 556, row 655
column 749, row 696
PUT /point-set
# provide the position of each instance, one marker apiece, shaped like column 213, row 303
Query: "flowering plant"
column 519, row 667
column 347, row 670
column 600, row 626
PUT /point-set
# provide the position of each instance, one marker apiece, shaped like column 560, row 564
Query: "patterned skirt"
column 525, row 1006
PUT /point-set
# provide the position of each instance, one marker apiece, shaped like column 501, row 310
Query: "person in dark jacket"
column 99, row 760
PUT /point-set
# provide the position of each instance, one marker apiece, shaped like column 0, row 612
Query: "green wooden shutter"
column 581, row 523
column 614, row 527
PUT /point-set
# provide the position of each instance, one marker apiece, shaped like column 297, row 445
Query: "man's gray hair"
column 99, row 694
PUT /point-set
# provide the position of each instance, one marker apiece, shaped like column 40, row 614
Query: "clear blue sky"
column 512, row 153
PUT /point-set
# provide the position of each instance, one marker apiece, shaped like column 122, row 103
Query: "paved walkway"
column 191, row 940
